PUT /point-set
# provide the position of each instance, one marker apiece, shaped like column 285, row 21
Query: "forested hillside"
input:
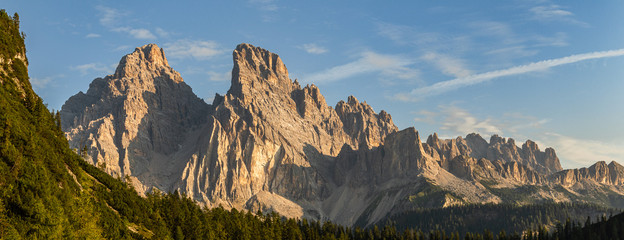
column 498, row 217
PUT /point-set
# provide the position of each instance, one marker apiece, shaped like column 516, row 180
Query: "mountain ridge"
column 270, row 144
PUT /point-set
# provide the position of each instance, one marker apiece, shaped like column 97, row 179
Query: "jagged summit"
column 145, row 103
column 256, row 67
column 149, row 58
column 499, row 148
column 363, row 123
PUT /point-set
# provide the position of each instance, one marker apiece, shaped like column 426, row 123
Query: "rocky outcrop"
column 497, row 149
column 600, row 172
column 270, row 144
column 127, row 120
column 363, row 124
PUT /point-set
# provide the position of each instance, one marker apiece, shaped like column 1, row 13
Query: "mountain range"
column 271, row 144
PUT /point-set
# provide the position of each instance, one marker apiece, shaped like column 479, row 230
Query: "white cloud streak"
column 447, row 64
column 460, row 121
column 393, row 66
column 110, row 18
column 162, row 33
column 93, row 35
column 555, row 13
column 199, row 50
column 40, row 83
column 138, row 33
column 267, row 9
column 219, row 76
column 84, row 69
column 265, row 5
column 313, row 48
column 551, row 11
column 445, row 86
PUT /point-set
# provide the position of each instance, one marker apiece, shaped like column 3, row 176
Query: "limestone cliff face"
column 273, row 145
column 268, row 143
column 363, row 124
column 264, row 136
column 139, row 113
column 497, row 149
column 600, row 172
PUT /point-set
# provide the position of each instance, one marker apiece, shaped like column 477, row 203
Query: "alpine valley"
column 271, row 144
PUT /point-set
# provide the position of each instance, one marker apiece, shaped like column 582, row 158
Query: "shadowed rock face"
column 271, row 144
column 124, row 119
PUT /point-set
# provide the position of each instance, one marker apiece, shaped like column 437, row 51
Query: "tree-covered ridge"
column 38, row 196
column 11, row 41
column 498, row 217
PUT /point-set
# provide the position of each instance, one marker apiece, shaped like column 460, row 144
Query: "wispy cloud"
column 162, row 33
column 93, row 35
column 219, row 76
column 551, row 11
column 85, row 69
column 445, row 86
column 209, row 100
column 447, row 64
column 138, row 33
column 456, row 121
column 460, row 121
column 475, row 39
column 574, row 152
column 516, row 51
column 123, row 48
column 498, row 30
column 111, row 18
column 313, row 48
column 196, row 49
column 432, row 41
column 582, row 152
column 560, row 39
column 267, row 8
column 40, row 83
column 369, row 62
column 265, row 5
column 554, row 13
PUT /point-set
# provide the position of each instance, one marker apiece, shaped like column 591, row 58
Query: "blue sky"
column 550, row 71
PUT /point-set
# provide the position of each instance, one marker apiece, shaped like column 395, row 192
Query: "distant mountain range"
column 270, row 144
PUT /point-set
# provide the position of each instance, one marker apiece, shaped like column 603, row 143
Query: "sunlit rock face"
column 270, row 144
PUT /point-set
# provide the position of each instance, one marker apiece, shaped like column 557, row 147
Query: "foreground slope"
column 271, row 144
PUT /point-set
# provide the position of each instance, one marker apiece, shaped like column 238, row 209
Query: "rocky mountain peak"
column 146, row 59
column 615, row 165
column 474, row 137
column 530, row 146
column 362, row 123
column 142, row 111
column 351, row 100
column 256, row 67
column 494, row 139
column 433, row 141
column 600, row 172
